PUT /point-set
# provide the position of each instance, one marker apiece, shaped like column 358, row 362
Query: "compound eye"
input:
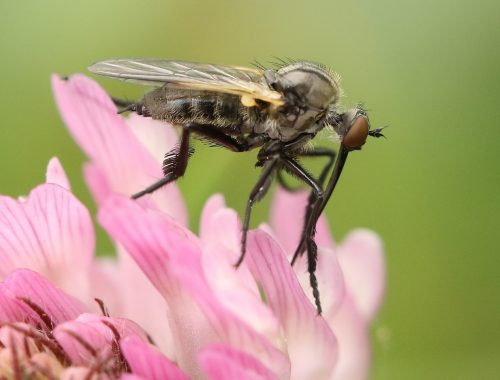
column 357, row 134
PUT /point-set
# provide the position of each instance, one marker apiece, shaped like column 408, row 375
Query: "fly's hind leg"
column 174, row 165
column 175, row 162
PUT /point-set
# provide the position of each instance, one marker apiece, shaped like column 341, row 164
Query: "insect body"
column 276, row 110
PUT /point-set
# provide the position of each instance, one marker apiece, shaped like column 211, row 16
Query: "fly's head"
column 309, row 90
column 353, row 127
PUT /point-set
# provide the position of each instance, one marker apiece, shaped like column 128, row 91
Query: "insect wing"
column 242, row 81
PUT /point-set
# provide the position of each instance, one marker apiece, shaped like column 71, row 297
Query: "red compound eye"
column 357, row 134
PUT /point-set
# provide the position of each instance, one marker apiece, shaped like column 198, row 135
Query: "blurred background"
column 428, row 69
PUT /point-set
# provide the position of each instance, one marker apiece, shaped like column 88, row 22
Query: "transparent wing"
column 200, row 76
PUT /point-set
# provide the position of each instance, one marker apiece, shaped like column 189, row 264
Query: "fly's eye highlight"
column 357, row 134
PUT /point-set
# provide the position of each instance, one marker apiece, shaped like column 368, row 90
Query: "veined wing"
column 242, row 81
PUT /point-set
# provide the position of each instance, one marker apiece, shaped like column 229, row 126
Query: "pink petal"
column 330, row 280
column 287, row 220
column 238, row 291
column 144, row 303
column 235, row 289
column 78, row 373
column 354, row 343
column 97, row 182
column 311, row 344
column 106, row 285
column 226, row 363
column 212, row 205
column 51, row 233
column 11, row 309
column 127, row 166
column 13, row 338
column 159, row 137
column 224, row 229
column 55, row 174
column 146, row 361
column 44, row 360
column 171, row 258
column 131, row 376
column 58, row 305
column 15, row 342
column 230, row 327
column 362, row 260
column 98, row 332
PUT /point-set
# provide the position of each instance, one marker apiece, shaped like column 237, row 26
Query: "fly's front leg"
column 353, row 127
column 318, row 152
column 307, row 239
column 322, row 152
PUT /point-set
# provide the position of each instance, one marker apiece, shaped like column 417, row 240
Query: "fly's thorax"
column 309, row 91
column 276, row 131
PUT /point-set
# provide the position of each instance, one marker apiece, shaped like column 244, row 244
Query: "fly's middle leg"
column 259, row 190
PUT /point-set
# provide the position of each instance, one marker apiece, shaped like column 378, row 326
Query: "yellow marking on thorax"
column 248, row 101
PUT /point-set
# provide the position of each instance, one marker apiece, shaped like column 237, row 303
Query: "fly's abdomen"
column 187, row 106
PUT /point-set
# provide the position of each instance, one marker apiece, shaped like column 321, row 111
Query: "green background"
column 428, row 69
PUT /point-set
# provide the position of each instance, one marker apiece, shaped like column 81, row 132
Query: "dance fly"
column 275, row 110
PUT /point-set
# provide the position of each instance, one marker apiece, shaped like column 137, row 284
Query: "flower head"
column 195, row 315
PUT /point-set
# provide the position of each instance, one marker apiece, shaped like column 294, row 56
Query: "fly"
column 277, row 111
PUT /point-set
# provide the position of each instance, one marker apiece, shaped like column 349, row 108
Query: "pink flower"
column 46, row 332
column 207, row 319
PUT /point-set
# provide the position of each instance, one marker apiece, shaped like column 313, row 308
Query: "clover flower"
column 171, row 305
